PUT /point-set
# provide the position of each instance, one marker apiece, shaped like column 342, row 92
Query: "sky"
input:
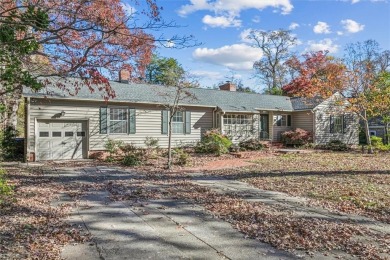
column 221, row 28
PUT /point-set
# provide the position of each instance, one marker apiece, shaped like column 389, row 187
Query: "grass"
column 351, row 183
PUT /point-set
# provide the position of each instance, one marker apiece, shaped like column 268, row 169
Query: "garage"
column 61, row 140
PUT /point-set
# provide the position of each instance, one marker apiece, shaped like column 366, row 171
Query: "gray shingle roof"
column 299, row 103
column 144, row 93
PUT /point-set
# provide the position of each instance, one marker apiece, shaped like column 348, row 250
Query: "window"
column 282, row 120
column 372, row 133
column 178, row 123
column 181, row 122
column 56, row 134
column 68, row 134
column 117, row 120
column 238, row 125
column 337, row 124
column 43, row 134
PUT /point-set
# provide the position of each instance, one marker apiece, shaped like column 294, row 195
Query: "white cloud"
column 352, row 26
column 244, row 35
column 256, row 19
column 234, row 7
column 322, row 28
column 355, row 1
column 211, row 75
column 340, row 33
column 235, row 57
column 129, row 10
column 221, row 21
column 293, row 26
column 325, row 44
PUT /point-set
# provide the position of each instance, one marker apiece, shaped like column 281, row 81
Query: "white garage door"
column 60, row 140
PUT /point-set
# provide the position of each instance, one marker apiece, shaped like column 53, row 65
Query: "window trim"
column 123, row 120
column 181, row 123
column 239, row 125
column 341, row 129
column 287, row 121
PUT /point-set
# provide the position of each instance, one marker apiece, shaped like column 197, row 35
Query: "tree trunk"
column 386, row 137
column 169, row 164
column 11, row 114
column 368, row 137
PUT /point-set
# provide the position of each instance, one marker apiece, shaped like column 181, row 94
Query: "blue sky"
column 221, row 27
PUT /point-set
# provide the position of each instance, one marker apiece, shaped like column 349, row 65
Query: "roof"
column 300, row 103
column 227, row 101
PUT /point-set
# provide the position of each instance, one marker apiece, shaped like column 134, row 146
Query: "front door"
column 264, row 126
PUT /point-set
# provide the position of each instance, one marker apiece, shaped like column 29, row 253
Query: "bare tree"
column 364, row 62
column 275, row 45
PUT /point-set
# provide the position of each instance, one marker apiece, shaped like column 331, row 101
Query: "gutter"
column 113, row 101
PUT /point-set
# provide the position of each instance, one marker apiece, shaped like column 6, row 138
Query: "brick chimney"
column 228, row 86
column 124, row 76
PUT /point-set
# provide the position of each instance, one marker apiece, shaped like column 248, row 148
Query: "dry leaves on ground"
column 350, row 183
column 30, row 227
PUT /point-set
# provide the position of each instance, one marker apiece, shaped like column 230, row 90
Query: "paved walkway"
column 159, row 229
column 172, row 229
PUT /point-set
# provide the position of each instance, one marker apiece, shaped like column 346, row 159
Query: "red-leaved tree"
column 88, row 39
column 316, row 75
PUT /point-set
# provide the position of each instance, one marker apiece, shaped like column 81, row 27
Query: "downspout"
column 26, row 129
column 314, row 126
column 214, row 115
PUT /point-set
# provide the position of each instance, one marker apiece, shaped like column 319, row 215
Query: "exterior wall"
column 278, row 130
column 322, row 115
column 237, row 139
column 148, row 122
column 303, row 120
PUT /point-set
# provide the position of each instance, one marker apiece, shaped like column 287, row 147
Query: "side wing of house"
column 71, row 129
column 333, row 122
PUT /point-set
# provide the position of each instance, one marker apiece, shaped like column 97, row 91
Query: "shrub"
column 181, row 156
column 112, row 146
column 297, row 137
column 151, row 142
column 132, row 155
column 335, row 145
column 377, row 143
column 152, row 147
column 251, row 145
column 5, row 188
column 10, row 148
column 213, row 142
column 131, row 160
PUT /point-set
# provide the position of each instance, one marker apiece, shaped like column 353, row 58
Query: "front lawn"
column 351, row 183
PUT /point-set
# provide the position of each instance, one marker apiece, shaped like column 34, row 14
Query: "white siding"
column 278, row 130
column 148, row 121
column 303, row 120
column 322, row 123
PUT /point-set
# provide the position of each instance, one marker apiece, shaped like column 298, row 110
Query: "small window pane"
column 81, row 133
column 43, row 134
column 68, row 134
column 56, row 134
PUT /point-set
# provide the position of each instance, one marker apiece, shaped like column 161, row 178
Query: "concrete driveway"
column 157, row 229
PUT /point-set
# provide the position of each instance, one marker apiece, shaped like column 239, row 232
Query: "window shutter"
column 288, row 120
column 331, row 124
column 188, row 122
column 132, row 121
column 103, row 120
column 344, row 123
column 164, row 121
